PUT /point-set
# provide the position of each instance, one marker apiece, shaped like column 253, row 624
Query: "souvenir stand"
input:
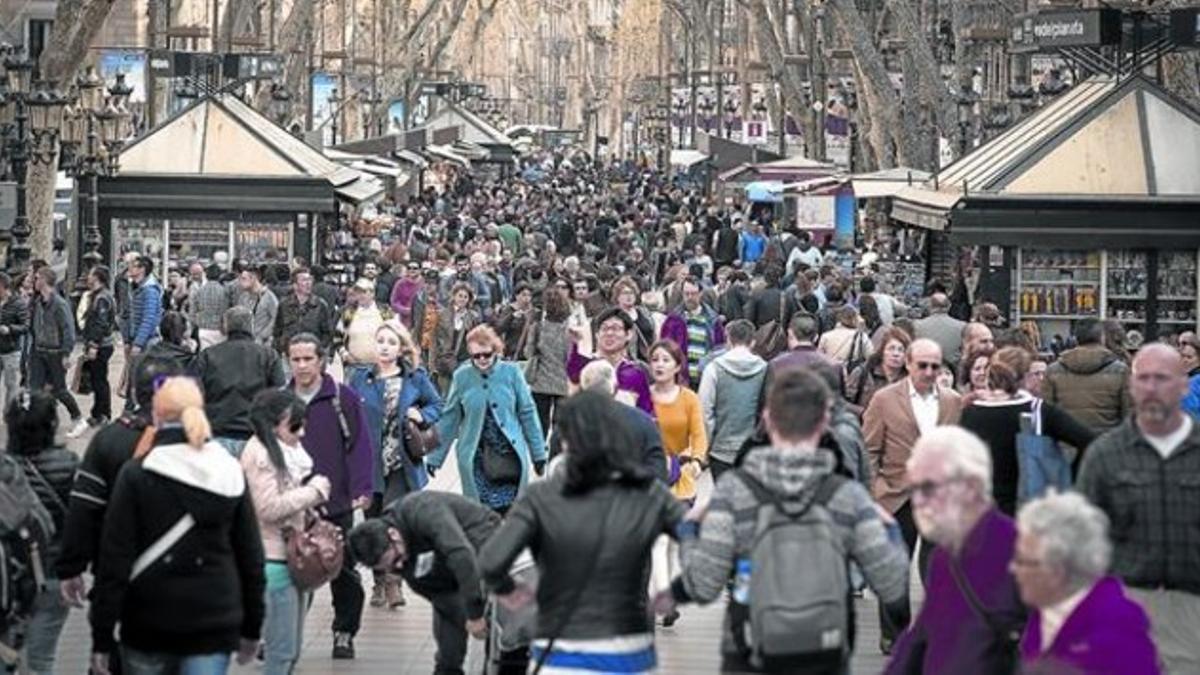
column 220, row 177
column 1088, row 206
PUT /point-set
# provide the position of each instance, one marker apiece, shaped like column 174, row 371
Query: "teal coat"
column 471, row 393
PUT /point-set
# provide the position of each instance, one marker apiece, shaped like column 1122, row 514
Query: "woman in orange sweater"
column 681, row 422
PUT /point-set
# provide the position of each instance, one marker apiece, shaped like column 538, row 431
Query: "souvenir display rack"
column 1154, row 292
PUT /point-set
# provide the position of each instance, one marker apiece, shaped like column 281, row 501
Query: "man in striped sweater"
column 797, row 413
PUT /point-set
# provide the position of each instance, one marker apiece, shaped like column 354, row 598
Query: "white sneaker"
column 80, row 428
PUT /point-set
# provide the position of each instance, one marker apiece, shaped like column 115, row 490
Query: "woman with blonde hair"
column 491, row 414
column 396, row 390
column 180, row 533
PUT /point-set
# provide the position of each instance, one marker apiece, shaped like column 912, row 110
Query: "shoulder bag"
column 315, row 553
column 1002, row 654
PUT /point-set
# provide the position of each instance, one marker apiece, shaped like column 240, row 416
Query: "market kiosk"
column 219, row 176
column 1090, row 207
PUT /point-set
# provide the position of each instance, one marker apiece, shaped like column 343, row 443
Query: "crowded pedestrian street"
column 570, row 337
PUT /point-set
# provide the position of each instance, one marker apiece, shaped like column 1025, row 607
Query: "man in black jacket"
column 302, row 311
column 231, row 374
column 430, row 538
column 14, row 323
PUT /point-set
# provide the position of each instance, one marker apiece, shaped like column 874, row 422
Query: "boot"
column 379, row 593
column 394, row 591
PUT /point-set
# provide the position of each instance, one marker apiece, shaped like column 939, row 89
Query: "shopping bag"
column 1041, row 462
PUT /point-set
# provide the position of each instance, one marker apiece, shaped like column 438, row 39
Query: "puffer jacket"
column 51, row 473
column 279, row 500
column 1092, row 384
column 143, row 313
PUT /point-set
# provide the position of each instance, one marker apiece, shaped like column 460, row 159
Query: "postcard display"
column 1152, row 292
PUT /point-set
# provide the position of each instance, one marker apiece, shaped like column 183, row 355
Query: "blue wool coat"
column 472, row 392
column 416, row 391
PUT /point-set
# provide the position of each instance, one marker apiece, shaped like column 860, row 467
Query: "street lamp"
column 706, row 107
column 680, row 111
column 333, row 100
column 18, row 71
column 730, row 115
column 94, row 131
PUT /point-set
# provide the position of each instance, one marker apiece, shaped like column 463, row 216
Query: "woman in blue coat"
column 490, row 412
column 395, row 390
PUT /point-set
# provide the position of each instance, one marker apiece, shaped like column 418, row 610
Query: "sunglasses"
column 928, row 365
column 482, row 356
column 296, row 426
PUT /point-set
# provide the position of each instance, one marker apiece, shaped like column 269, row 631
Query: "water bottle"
column 741, row 582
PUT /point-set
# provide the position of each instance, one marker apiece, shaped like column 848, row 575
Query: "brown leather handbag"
column 420, row 439
column 315, row 554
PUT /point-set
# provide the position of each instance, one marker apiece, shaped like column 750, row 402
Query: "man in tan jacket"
column 897, row 416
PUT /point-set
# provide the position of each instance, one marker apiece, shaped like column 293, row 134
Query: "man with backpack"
column 785, row 528
column 339, row 442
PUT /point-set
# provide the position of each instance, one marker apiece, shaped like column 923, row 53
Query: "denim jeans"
column 233, row 445
column 134, row 662
column 11, row 375
column 44, row 628
column 283, row 629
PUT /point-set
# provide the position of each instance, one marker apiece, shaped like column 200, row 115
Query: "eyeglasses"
column 929, row 489
column 482, row 356
column 927, row 365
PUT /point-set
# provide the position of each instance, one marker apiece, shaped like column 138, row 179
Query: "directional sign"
column 1056, row 29
column 756, row 132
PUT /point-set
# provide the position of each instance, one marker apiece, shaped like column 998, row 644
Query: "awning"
column 447, row 154
column 686, row 159
column 924, row 208
column 413, row 158
column 362, row 190
column 886, row 183
column 394, row 172
column 813, row 185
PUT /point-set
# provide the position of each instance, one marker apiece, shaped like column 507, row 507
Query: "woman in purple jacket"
column 1081, row 620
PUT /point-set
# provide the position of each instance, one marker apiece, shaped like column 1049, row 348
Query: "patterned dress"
column 496, row 496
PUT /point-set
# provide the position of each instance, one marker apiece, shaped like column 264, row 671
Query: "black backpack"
column 25, row 531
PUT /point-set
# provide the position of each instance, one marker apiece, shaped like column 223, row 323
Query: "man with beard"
column 951, row 474
column 1143, row 475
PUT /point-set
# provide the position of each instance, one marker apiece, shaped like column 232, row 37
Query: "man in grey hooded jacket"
column 730, row 394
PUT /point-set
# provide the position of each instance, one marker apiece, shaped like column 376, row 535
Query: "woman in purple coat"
column 1081, row 620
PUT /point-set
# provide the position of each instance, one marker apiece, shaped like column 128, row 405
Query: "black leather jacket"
column 593, row 555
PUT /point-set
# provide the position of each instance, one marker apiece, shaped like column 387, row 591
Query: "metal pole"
column 18, row 254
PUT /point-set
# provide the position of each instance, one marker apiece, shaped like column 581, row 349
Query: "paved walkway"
column 400, row 642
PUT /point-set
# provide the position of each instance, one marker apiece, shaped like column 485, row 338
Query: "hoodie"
column 215, row 570
column 1092, row 384
column 730, row 395
column 728, row 530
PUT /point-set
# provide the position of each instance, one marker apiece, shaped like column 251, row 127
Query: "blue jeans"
column 283, row 629
column 134, row 662
column 44, row 627
column 233, row 445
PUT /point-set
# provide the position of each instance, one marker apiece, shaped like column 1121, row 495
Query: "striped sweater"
column 727, row 532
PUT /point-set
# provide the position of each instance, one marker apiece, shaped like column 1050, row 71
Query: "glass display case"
column 1056, row 284
column 1128, row 287
column 1175, row 291
column 176, row 241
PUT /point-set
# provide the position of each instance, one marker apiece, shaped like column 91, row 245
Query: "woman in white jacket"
column 283, row 487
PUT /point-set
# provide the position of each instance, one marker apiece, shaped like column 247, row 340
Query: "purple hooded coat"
column 1107, row 633
column 350, row 470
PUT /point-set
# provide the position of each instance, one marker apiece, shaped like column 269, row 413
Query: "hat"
column 365, row 285
column 432, row 275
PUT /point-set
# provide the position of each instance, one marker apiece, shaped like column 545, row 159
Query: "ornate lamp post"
column 18, row 73
column 94, row 132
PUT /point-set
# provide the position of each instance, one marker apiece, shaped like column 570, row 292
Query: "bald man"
column 942, row 328
column 896, row 417
column 1145, row 475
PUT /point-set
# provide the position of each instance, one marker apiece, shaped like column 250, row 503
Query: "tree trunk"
column 770, row 47
column 76, row 23
column 928, row 84
column 291, row 40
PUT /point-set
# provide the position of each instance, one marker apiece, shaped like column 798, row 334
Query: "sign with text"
column 756, row 132
column 1068, row 28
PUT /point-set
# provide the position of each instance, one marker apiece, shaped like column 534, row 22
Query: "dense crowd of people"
column 585, row 348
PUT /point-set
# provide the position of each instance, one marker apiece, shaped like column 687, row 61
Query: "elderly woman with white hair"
column 1082, row 621
column 972, row 615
